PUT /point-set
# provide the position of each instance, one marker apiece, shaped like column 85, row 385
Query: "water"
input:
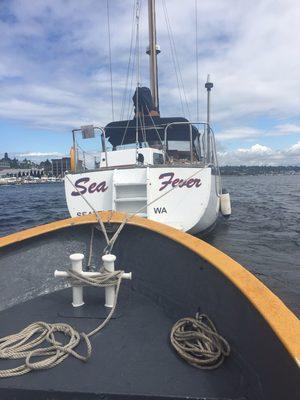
column 262, row 233
column 24, row 206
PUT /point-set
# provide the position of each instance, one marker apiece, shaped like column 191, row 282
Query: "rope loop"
column 106, row 279
column 24, row 345
column 197, row 341
column 40, row 339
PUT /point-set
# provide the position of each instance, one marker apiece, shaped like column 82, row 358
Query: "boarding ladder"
column 130, row 191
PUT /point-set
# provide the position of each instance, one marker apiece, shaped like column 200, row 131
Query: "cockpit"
column 148, row 139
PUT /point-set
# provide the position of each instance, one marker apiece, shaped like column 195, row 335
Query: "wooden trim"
column 282, row 321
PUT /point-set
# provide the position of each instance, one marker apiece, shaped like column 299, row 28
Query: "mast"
column 153, row 51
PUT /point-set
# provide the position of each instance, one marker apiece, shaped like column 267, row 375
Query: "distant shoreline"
column 259, row 170
column 4, row 183
column 262, row 174
column 13, row 182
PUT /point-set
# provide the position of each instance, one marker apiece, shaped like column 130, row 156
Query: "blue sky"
column 54, row 73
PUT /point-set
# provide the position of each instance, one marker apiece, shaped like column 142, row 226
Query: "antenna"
column 209, row 85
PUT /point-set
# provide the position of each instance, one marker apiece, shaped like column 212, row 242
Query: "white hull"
column 185, row 197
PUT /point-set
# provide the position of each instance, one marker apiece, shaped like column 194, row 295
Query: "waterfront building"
column 60, row 166
column 4, row 165
column 5, row 162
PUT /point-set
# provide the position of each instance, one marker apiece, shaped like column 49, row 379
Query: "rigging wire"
column 129, row 100
column 173, row 58
column 138, row 5
column 136, row 45
column 143, row 128
column 129, row 104
column 129, row 62
column 175, row 61
column 127, row 125
column 129, row 108
column 110, row 62
column 197, row 61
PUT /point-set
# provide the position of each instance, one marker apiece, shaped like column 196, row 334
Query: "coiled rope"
column 197, row 341
column 39, row 339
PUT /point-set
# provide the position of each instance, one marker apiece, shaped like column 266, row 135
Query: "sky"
column 54, row 72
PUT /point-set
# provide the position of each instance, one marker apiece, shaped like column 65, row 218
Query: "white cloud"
column 247, row 132
column 40, row 154
column 238, row 133
column 54, row 72
column 256, row 149
column 261, row 155
column 295, row 149
column 288, row 129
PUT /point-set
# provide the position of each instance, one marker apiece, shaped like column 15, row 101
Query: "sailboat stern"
column 184, row 198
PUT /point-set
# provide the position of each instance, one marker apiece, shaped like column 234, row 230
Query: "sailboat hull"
column 186, row 198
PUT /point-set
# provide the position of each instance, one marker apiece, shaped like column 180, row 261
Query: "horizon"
column 221, row 166
column 54, row 72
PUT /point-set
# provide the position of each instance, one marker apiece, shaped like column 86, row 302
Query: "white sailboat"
column 164, row 169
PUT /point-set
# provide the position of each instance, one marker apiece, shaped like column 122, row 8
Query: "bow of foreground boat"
column 174, row 275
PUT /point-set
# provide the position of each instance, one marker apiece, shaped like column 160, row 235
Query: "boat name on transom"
column 91, row 188
column 171, row 181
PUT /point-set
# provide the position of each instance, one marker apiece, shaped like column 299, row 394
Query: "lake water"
column 262, row 233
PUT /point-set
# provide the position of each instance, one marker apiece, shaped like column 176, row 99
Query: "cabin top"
column 150, row 129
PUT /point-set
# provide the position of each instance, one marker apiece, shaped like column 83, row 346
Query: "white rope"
column 110, row 242
column 30, row 342
column 91, row 248
column 99, row 219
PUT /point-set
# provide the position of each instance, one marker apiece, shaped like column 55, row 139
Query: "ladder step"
column 129, row 184
column 124, row 199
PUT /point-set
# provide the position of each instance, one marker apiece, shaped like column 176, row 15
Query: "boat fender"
column 225, row 205
column 72, row 159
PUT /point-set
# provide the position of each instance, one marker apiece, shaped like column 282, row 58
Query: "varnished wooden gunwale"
column 282, row 321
